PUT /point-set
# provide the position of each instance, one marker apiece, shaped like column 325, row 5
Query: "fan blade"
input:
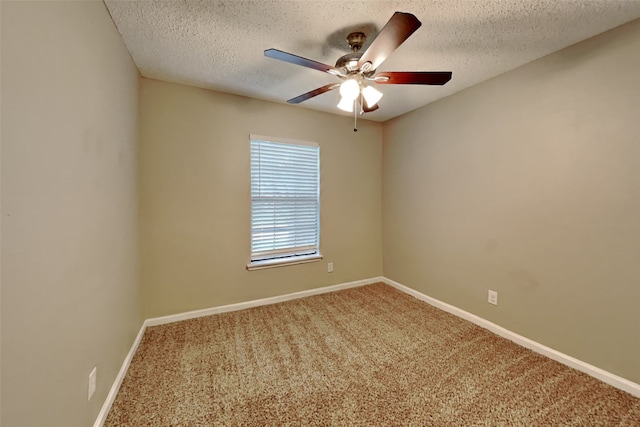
column 413, row 77
column 298, row 60
column 393, row 34
column 319, row 91
column 366, row 109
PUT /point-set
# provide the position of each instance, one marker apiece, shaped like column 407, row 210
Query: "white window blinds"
column 285, row 199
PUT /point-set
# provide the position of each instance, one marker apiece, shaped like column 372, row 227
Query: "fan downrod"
column 356, row 41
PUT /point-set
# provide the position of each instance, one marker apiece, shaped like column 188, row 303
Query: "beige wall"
column 69, row 212
column 195, row 199
column 529, row 184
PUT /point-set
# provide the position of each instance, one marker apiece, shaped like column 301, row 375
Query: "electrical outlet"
column 93, row 378
column 493, row 297
column 330, row 267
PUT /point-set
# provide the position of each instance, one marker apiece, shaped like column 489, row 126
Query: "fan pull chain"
column 355, row 116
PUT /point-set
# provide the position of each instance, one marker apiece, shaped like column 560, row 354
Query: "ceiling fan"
column 357, row 69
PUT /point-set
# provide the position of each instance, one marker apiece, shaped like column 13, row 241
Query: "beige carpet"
column 367, row 356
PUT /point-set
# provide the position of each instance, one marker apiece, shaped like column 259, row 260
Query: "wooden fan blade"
column 366, row 109
column 393, row 34
column 319, row 91
column 413, row 77
column 298, row 60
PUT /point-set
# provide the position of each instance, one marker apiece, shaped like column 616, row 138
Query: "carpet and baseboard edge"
column 154, row 321
column 113, row 391
column 604, row 376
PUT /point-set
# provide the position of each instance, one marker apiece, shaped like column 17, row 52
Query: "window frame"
column 291, row 258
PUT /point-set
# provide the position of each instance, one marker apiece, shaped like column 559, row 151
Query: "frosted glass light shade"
column 371, row 96
column 346, row 105
column 350, row 89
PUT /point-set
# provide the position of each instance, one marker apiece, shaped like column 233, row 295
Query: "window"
column 285, row 202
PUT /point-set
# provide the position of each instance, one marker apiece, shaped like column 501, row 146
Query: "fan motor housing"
column 349, row 62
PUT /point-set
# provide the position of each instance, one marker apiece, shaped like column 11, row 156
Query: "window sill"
column 272, row 263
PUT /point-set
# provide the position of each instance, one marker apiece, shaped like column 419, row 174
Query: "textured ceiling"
column 219, row 44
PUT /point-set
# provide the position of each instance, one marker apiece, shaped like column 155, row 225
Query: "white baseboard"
column 572, row 362
column 602, row 375
column 113, row 392
column 255, row 303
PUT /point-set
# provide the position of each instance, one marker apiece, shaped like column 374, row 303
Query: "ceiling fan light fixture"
column 350, row 89
column 346, row 105
column 357, row 69
column 371, row 96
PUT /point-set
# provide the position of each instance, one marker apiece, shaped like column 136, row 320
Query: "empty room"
column 287, row 212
